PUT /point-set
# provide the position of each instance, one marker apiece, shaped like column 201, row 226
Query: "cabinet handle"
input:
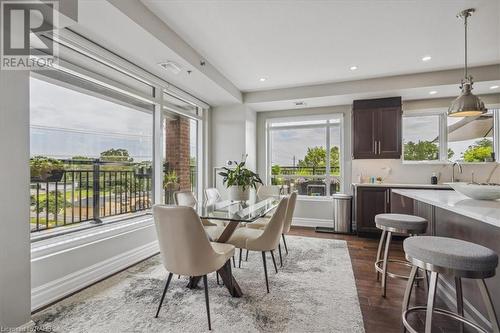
column 375, row 146
column 379, row 147
column 387, row 195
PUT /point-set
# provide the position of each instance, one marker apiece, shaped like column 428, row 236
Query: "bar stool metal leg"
column 408, row 290
column 384, row 265
column 489, row 305
column 460, row 300
column 379, row 251
column 430, row 302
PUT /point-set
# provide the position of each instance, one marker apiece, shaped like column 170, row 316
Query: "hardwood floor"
column 381, row 315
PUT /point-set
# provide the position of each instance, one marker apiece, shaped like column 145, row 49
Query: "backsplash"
column 394, row 171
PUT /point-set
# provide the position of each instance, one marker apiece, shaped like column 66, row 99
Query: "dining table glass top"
column 238, row 211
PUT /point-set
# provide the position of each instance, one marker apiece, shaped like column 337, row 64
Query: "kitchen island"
column 451, row 214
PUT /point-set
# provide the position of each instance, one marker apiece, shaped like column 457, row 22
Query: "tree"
column 423, row 151
column 116, row 155
column 316, row 157
column 479, row 151
column 275, row 170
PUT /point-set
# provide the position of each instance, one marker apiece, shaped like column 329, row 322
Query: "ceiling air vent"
column 300, row 104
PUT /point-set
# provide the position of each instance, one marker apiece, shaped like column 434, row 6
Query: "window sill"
column 84, row 236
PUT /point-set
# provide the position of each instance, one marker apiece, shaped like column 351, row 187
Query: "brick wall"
column 177, row 149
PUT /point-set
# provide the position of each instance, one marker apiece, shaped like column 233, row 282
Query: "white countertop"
column 481, row 210
column 400, row 185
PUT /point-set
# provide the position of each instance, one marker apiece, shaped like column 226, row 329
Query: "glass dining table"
column 234, row 213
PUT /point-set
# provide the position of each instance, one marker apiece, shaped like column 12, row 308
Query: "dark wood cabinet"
column 371, row 201
column 377, row 128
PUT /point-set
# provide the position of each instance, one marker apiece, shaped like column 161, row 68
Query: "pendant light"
column 467, row 104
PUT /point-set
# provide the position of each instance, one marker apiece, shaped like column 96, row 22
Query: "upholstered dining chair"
column 185, row 249
column 212, row 195
column 266, row 240
column 187, row 198
column 290, row 209
column 213, row 230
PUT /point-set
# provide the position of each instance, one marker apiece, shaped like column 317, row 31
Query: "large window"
column 90, row 158
column 436, row 137
column 421, row 138
column 103, row 142
column 472, row 139
column 306, row 155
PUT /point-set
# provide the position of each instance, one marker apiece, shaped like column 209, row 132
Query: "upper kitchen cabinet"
column 377, row 128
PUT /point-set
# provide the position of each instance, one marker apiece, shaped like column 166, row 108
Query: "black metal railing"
column 303, row 171
column 306, row 180
column 89, row 191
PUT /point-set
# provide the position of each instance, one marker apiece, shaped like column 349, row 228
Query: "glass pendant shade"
column 467, row 104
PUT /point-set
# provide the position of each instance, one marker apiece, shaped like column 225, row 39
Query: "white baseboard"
column 28, row 327
column 307, row 222
column 57, row 289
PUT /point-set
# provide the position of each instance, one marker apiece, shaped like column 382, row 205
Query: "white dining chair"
column 266, row 240
column 212, row 195
column 187, row 198
column 185, row 249
column 261, row 224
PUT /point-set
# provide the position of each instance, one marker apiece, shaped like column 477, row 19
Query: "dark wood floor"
column 381, row 315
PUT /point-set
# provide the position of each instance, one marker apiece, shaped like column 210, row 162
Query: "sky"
column 287, row 143
column 66, row 123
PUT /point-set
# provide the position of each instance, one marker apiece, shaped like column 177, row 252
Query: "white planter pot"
column 236, row 193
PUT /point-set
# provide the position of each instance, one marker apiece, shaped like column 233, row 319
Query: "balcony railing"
column 89, row 191
column 306, row 180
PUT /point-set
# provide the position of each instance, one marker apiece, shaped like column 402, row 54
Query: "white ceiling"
column 104, row 24
column 295, row 43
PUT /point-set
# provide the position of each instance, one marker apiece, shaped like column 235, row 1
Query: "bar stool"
column 454, row 257
column 400, row 224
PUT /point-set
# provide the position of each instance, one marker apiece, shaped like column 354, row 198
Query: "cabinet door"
column 388, row 138
column 364, row 134
column 370, row 202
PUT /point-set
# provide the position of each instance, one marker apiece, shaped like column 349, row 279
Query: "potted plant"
column 46, row 169
column 170, row 184
column 239, row 181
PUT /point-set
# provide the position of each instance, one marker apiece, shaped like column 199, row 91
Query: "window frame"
column 443, row 137
column 327, row 127
column 76, row 74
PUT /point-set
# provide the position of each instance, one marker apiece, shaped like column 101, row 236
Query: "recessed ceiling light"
column 262, row 79
column 353, row 68
column 426, row 58
column 494, row 87
column 433, row 92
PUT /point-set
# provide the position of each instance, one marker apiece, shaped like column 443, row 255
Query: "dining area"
column 202, row 240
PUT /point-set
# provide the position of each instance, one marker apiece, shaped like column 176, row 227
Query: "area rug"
column 315, row 291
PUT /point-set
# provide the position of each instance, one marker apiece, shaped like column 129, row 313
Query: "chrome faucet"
column 453, row 170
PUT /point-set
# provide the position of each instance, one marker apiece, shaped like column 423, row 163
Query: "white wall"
column 233, row 133
column 14, row 199
column 421, row 173
column 82, row 258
